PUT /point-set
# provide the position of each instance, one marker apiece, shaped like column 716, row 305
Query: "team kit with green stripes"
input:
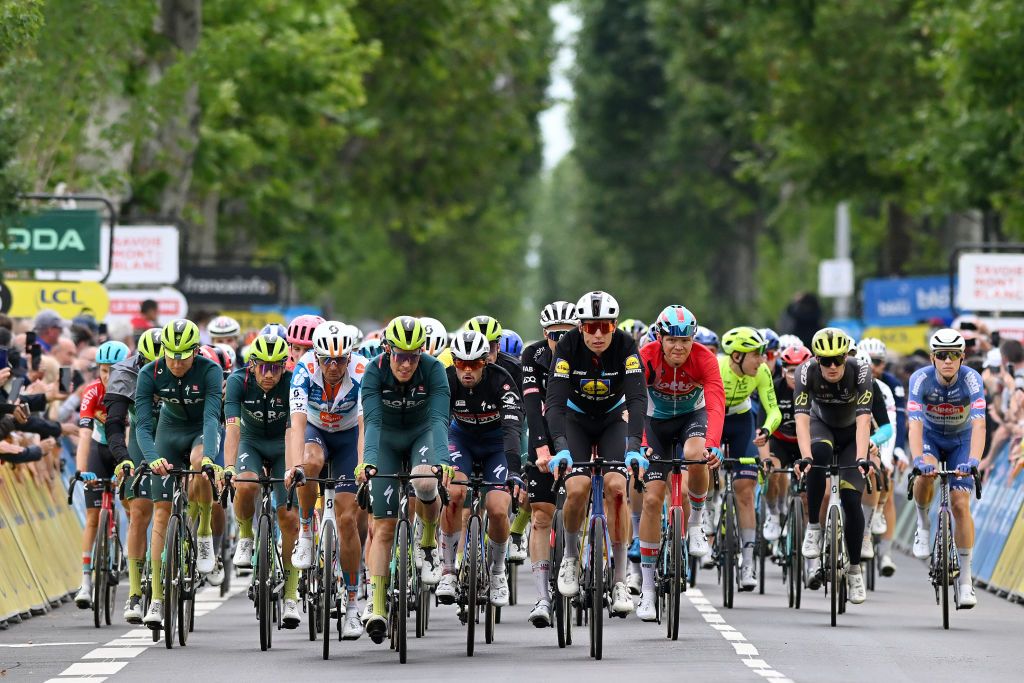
column 410, row 467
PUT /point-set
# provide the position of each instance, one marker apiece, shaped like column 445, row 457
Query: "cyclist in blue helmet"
column 275, row 330
column 511, row 343
column 370, row 349
column 707, row 337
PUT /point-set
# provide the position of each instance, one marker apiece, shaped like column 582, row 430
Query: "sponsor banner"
column 25, row 298
column 905, row 301
column 143, row 255
column 903, row 339
column 254, row 320
column 1009, row 328
column 52, row 239
column 243, row 285
column 991, row 282
column 125, row 304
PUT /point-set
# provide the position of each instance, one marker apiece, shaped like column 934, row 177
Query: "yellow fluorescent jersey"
column 446, row 358
column 738, row 389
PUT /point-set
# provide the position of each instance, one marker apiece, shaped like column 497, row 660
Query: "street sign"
column 991, row 282
column 835, row 277
column 231, row 285
column 55, row 239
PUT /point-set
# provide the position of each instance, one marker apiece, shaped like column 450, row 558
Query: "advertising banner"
column 243, row 286
column 125, row 304
column 25, row 298
column 54, row 239
column 905, row 301
column 991, row 282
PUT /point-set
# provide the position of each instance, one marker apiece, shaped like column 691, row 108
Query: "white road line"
column 84, row 642
column 77, row 679
column 93, row 668
column 114, row 653
column 745, row 650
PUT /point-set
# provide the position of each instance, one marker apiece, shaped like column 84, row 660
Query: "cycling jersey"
column 695, row 384
column 595, row 386
column 492, row 406
column 189, row 404
column 393, row 407
column 93, row 414
column 835, row 404
column 738, row 389
column 786, row 430
column 513, row 366
column 899, row 395
column 536, row 362
column 332, row 408
column 946, row 409
column 263, row 415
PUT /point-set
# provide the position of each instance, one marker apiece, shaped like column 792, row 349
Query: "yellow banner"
column 68, row 299
column 252, row 321
column 904, row 339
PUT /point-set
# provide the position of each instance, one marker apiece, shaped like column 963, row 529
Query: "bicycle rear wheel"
column 595, row 599
column 402, row 590
column 559, row 604
column 188, row 578
column 676, row 573
column 116, row 570
column 834, row 550
column 796, row 553
column 99, row 569
column 730, row 542
column 171, row 560
column 328, row 589
column 760, row 543
column 472, row 558
column 944, row 573
column 263, row 591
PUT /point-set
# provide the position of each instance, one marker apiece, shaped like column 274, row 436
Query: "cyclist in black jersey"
column 487, row 418
column 556, row 319
column 491, row 328
column 595, row 385
column 832, row 402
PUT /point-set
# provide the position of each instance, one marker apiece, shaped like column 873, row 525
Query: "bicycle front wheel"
column 944, row 565
column 328, row 588
column 834, row 542
column 263, row 560
column 99, row 569
column 595, row 585
column 116, row 571
column 796, row 553
column 402, row 590
column 472, row 558
column 760, row 543
column 172, row 562
column 676, row 573
column 730, row 543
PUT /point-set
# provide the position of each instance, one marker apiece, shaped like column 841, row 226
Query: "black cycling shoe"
column 377, row 628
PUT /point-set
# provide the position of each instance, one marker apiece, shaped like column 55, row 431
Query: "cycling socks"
column 245, row 527
column 923, row 520
column 87, row 565
column 429, row 537
column 619, row 559
column 869, row 511
column 520, row 522
column 449, row 546
column 380, row 594
column 541, row 578
column 205, row 517
column 291, row 579
column 648, row 560
column 747, row 537
column 696, row 509
column 965, row 566
column 572, row 545
column 496, row 556
column 635, row 519
column 157, row 578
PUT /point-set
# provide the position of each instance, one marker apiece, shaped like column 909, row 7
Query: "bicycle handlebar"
column 944, row 474
column 121, row 482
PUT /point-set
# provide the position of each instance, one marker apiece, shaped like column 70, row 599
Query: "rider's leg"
column 497, row 503
column 451, row 524
column 650, row 532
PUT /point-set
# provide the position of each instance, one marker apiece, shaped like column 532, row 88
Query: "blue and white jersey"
column 946, row 409
column 332, row 409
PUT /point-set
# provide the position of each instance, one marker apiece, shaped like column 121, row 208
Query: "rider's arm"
column 880, row 416
column 533, row 402
column 865, row 397
column 144, row 401
column 636, row 399
column 511, row 421
column 915, row 416
column 439, row 410
column 558, row 395
column 213, row 400
column 232, row 419
column 802, row 409
column 373, row 416
column 86, row 416
column 714, row 394
column 978, row 411
column 769, row 402
column 298, row 402
column 117, row 419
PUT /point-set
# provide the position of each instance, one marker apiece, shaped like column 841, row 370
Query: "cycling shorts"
column 101, row 463
column 738, row 433
column 341, row 452
column 665, row 437
column 788, row 452
column 174, row 442
column 400, row 451
column 539, row 485
column 483, row 452
column 135, row 453
column 842, row 440
column 257, row 457
column 952, row 450
column 607, row 432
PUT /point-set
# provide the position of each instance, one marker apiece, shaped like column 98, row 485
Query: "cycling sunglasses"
column 595, row 326
column 555, row 335
column 831, row 361
column 334, row 361
column 948, row 355
column 407, row 356
column 268, row 368
column 470, row 364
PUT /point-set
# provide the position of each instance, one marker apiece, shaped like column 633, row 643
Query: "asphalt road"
column 895, row 636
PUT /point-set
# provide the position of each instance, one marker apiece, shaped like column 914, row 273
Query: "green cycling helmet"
column 743, row 340
column 830, row 341
column 268, row 348
column 485, row 325
column 180, row 338
column 405, row 333
column 149, row 344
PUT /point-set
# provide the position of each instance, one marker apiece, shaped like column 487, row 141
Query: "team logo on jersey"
column 562, row 367
column 979, row 404
column 595, row 387
column 632, row 363
column 945, row 410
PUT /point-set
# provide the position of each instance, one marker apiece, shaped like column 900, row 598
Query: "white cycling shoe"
column 922, row 546
column 878, row 523
column 352, row 629
column 430, row 572
column 540, row 616
column 290, row 617
column 812, row 544
column 867, row 547
column 568, row 579
column 243, row 553
column 302, row 556
column 499, row 590
column 968, row 598
column 206, row 560
column 699, row 546
column 855, row 588
column 772, row 529
column 621, row 602
column 634, row 583
column 447, row 589
column 647, row 610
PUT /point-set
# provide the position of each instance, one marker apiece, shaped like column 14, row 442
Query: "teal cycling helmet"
column 111, row 352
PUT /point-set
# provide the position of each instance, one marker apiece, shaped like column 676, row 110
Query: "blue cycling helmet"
column 676, row 321
column 706, row 337
column 275, row 330
column 511, row 343
column 111, row 352
column 770, row 337
column 370, row 349
column 652, row 332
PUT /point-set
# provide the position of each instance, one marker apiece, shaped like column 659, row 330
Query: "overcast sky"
column 554, row 121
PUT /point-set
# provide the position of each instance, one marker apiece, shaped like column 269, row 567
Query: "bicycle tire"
column 99, row 574
column 490, row 618
column 327, row 589
column 676, row 575
column 513, row 584
column 870, row 569
column 187, row 580
column 595, row 612
column 730, row 541
column 170, row 579
column 834, row 540
column 760, row 543
column 116, row 570
column 226, row 553
column 472, row 559
column 558, row 603
column 405, row 551
column 944, row 568
column 263, row 583
column 797, row 515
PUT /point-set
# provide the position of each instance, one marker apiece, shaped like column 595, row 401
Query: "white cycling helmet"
column 947, row 340
column 558, row 313
column 224, row 326
column 333, row 338
column 789, row 341
column 437, row 336
column 470, row 345
column 874, row 348
column 863, row 356
column 597, row 306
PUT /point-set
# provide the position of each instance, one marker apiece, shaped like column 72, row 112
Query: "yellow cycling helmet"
column 831, row 341
column 743, row 340
column 149, row 344
column 180, row 338
column 405, row 333
column 268, row 348
column 485, row 325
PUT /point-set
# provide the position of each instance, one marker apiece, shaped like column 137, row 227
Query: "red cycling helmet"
column 300, row 330
column 795, row 355
column 210, row 353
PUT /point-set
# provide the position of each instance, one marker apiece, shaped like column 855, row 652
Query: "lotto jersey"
column 93, row 414
column 330, row 408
